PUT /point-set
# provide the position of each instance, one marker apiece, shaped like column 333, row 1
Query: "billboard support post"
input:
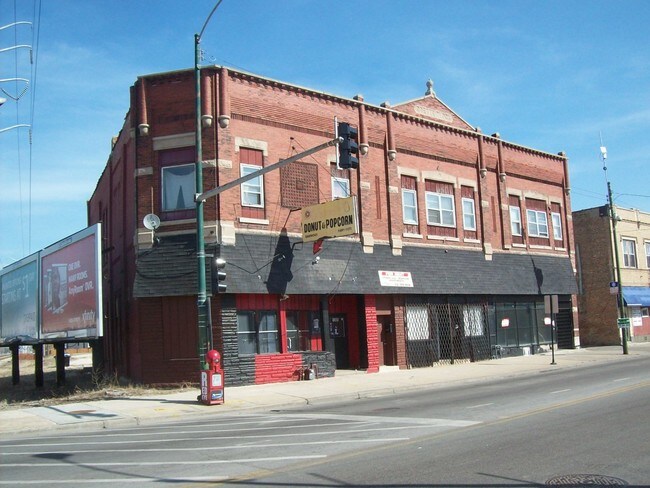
column 38, row 364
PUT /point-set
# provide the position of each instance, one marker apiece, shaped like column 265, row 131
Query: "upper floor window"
column 440, row 209
column 178, row 187
column 340, row 182
column 177, row 181
column 556, row 219
column 340, row 188
column 409, row 200
column 537, row 223
column 469, row 214
column 410, row 206
column 515, row 221
column 647, row 254
column 629, row 253
column 252, row 191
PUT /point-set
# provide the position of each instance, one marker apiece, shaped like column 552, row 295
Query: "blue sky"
column 552, row 75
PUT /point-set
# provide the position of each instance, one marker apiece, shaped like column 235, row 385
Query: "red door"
column 386, row 333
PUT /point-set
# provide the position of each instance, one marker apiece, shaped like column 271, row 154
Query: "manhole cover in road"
column 579, row 480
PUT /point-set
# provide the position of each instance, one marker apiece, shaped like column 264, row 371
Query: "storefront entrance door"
column 386, row 333
column 338, row 332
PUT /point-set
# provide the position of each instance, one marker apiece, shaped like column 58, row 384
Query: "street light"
column 620, row 307
column 205, row 335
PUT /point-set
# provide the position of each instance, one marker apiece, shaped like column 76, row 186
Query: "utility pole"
column 205, row 332
column 620, row 306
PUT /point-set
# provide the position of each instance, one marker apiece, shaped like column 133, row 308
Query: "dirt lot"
column 81, row 384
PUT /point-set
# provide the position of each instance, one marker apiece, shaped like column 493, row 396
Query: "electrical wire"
column 34, row 72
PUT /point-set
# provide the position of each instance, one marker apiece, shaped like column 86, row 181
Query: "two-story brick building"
column 594, row 236
column 461, row 234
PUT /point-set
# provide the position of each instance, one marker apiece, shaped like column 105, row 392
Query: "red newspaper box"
column 212, row 380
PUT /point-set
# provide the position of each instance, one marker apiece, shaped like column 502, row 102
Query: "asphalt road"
column 582, row 427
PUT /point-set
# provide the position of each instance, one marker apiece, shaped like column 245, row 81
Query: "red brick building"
column 476, row 229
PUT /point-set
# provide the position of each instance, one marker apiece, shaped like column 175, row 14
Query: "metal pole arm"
column 202, row 197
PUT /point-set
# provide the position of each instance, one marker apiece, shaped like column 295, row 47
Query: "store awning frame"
column 636, row 296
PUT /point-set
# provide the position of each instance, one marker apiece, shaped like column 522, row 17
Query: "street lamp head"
column 2, row 101
column 603, row 152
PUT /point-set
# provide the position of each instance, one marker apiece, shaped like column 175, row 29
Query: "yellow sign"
column 331, row 219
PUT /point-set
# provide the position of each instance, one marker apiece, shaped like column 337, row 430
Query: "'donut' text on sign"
column 331, row 219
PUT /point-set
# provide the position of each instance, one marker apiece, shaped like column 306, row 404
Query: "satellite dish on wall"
column 151, row 221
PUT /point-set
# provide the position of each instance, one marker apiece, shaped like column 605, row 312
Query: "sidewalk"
column 347, row 385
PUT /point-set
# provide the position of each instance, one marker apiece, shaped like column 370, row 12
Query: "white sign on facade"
column 395, row 278
column 636, row 316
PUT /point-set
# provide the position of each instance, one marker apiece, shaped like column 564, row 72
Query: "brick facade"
column 594, row 238
column 257, row 121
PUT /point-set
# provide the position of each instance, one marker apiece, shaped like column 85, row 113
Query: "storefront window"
column 257, row 332
column 506, row 322
column 521, row 323
column 298, row 332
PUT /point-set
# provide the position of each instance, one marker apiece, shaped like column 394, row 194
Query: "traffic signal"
column 218, row 276
column 348, row 146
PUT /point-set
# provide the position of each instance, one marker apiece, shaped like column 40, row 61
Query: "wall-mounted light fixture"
column 224, row 121
column 206, row 121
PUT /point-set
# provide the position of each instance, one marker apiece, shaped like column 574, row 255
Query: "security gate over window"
column 446, row 332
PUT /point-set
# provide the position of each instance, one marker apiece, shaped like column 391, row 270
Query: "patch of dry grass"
column 81, row 385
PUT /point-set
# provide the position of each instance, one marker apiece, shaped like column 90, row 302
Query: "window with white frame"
column 645, row 312
column 629, row 253
column 647, row 254
column 440, row 209
column 409, row 206
column 178, row 187
column 515, row 220
column 537, row 223
column 340, row 187
column 469, row 214
column 556, row 219
column 252, row 191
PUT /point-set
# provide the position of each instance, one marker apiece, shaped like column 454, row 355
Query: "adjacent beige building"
column 594, row 237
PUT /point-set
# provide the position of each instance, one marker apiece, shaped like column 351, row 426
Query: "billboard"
column 70, row 272
column 19, row 305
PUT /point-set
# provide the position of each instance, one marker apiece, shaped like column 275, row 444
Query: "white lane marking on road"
column 560, row 391
column 167, row 463
column 240, row 438
column 211, row 448
column 481, row 405
column 391, row 420
column 76, row 481
column 201, row 427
